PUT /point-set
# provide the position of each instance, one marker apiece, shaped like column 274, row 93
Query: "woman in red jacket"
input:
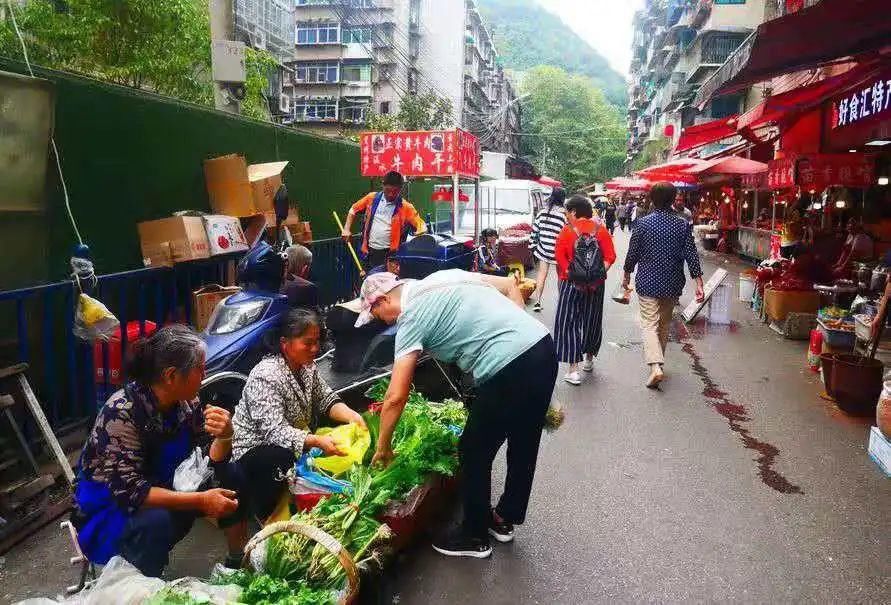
column 578, row 330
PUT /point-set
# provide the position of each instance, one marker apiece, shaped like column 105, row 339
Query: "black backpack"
column 586, row 271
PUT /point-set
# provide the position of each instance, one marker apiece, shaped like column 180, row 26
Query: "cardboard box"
column 205, row 300
column 173, row 240
column 236, row 189
column 292, row 223
column 778, row 304
column 225, row 235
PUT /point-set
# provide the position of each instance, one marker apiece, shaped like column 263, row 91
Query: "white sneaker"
column 573, row 378
column 657, row 375
column 588, row 365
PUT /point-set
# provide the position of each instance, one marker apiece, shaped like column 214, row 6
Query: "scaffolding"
column 267, row 25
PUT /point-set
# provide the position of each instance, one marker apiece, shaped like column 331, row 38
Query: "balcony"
column 710, row 53
column 357, row 89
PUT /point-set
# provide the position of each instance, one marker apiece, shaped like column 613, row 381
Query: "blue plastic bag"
column 306, row 472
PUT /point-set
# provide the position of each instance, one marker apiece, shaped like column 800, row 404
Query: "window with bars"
column 318, row 33
column 310, row 110
column 357, row 35
column 357, row 73
column 316, row 73
column 354, row 113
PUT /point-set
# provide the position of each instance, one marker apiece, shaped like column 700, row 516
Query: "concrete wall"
column 131, row 156
column 749, row 15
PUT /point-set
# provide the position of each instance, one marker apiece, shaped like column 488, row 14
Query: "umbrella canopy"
column 622, row 183
column 730, row 165
column 549, row 182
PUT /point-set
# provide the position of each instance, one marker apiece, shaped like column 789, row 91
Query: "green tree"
column 570, row 127
column 426, row 111
column 162, row 45
column 258, row 64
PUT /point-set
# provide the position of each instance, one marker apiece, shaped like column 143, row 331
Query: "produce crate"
column 419, row 511
column 778, row 304
column 843, row 340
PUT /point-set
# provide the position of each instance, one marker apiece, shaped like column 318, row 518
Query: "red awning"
column 706, row 134
column 674, row 171
column 731, row 165
column 817, row 35
column 789, row 105
column 549, row 182
column 622, row 183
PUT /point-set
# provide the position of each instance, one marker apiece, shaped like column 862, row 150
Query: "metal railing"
column 71, row 378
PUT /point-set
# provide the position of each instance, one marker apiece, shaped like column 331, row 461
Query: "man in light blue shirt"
column 477, row 322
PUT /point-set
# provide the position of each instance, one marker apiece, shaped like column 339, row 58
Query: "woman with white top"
column 545, row 229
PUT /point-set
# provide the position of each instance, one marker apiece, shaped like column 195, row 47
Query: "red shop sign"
column 868, row 102
column 420, row 153
column 781, row 173
column 755, row 181
column 817, row 172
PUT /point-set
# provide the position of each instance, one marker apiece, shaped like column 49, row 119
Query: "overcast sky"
column 605, row 24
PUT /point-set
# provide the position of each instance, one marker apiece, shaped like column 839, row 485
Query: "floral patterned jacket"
column 126, row 439
column 278, row 406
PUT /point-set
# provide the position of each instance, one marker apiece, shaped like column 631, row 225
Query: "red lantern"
column 669, row 131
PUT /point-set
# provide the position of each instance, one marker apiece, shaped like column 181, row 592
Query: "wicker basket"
column 324, row 539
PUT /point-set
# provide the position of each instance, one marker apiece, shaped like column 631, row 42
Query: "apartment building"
column 353, row 57
column 678, row 45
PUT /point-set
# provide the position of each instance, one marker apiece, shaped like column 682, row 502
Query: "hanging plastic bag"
column 621, row 295
column 305, row 471
column 93, row 321
column 352, row 439
column 192, row 472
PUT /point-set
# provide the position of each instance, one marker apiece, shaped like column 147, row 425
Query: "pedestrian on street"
column 609, row 217
column 545, row 229
column 388, row 218
column 584, row 254
column 681, row 208
column 633, row 210
column 478, row 322
column 622, row 215
column 660, row 244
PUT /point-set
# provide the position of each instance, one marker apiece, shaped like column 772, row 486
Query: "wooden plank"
column 711, row 285
column 46, row 429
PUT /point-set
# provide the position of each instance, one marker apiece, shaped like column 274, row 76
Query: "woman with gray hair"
column 124, row 498
column 283, row 400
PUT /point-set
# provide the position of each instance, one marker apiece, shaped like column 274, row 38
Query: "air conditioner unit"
column 258, row 40
column 284, row 103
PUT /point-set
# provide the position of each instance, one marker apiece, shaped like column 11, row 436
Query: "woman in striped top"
column 545, row 229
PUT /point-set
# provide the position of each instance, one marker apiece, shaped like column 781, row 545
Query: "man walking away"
column 660, row 244
column 622, row 215
column 609, row 217
column 387, row 220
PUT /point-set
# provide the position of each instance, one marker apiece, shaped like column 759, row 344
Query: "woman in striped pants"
column 545, row 230
column 578, row 329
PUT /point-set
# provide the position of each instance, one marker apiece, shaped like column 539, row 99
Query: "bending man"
column 467, row 318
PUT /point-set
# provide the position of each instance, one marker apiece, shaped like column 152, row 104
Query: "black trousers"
column 262, row 471
column 376, row 258
column 509, row 407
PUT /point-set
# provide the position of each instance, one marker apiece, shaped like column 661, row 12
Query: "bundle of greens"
column 263, row 589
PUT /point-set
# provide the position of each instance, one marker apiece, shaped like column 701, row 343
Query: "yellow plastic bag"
column 350, row 438
column 93, row 321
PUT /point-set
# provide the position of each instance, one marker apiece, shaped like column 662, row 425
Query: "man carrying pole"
column 387, row 220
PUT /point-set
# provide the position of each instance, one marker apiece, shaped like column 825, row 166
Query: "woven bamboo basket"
column 323, row 538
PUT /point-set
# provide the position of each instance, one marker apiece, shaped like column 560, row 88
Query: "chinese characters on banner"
column 420, row 153
column 781, row 173
column 754, row 181
column 818, row 171
column 872, row 100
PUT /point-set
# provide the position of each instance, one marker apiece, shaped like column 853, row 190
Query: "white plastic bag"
column 93, row 321
column 192, row 472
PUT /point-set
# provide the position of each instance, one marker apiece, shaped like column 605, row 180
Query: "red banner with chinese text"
column 817, row 172
column 781, row 173
column 442, row 153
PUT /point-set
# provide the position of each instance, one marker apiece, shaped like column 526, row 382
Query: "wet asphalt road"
column 736, row 483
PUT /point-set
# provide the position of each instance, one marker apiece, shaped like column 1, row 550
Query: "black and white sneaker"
column 459, row 545
column 501, row 531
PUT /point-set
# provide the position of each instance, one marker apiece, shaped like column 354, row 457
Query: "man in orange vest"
column 387, row 220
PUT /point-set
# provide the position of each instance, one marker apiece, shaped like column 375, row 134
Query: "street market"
column 342, row 322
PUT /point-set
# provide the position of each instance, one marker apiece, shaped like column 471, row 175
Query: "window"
column 318, row 33
column 357, row 35
column 310, row 110
column 385, row 108
column 316, row 73
column 353, row 113
column 357, row 73
column 724, row 107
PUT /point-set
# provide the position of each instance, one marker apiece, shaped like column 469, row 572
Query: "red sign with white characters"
column 817, row 172
column 420, row 153
column 781, row 173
